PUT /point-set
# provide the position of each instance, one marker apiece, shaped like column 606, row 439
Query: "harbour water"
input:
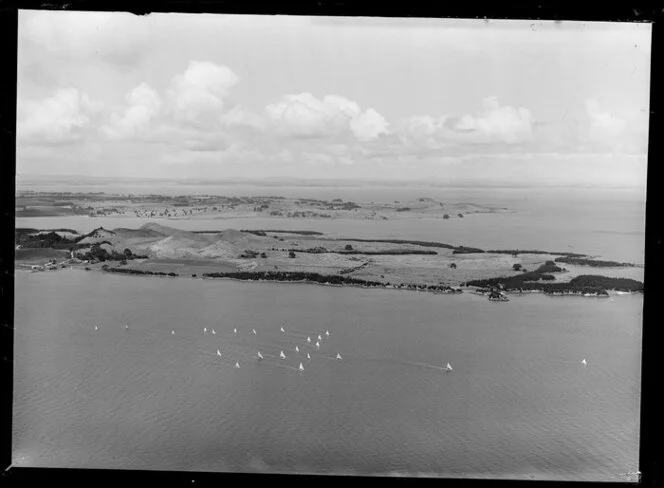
column 518, row 404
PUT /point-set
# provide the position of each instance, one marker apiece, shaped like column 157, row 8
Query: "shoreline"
column 468, row 290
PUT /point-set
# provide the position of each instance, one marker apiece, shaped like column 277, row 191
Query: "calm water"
column 518, row 402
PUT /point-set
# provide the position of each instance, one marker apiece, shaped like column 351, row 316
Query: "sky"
column 244, row 96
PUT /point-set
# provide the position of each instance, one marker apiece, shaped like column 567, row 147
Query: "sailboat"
column 301, row 368
column 172, row 332
column 96, row 328
column 339, row 356
column 260, row 356
column 213, row 331
column 234, row 331
column 448, row 367
column 282, row 330
column 308, row 340
column 254, row 331
column 204, row 330
column 218, row 353
column 237, row 364
column 319, row 337
column 317, row 345
column 308, row 357
column 126, row 326
column 584, row 362
column 297, row 349
column 282, row 355
column 327, row 333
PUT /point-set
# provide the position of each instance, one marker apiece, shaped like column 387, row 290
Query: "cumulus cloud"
column 304, row 115
column 199, row 92
column 494, row 124
column 143, row 106
column 604, row 126
column 60, row 119
column 497, row 123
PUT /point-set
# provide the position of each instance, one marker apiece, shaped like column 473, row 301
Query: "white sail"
column 448, row 367
column 260, row 356
column 282, row 355
column 327, row 333
column 319, row 337
column 282, row 330
column 213, row 331
column 234, row 331
column 339, row 356
column 297, row 349
column 584, row 362
column 172, row 332
column 254, row 331
column 204, row 330
column 308, row 340
column 237, row 365
column 317, row 345
column 96, row 328
column 218, row 353
column 301, row 368
column 308, row 357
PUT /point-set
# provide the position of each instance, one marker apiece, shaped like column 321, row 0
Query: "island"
column 309, row 256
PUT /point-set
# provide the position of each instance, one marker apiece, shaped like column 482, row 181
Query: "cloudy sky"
column 191, row 96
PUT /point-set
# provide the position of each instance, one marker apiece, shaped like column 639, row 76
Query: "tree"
column 291, row 254
column 127, row 252
column 453, row 266
column 348, row 247
column 263, row 255
column 516, row 267
column 446, row 216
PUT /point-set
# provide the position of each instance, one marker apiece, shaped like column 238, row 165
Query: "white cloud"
column 144, row 104
column 60, row 119
column 604, row 126
column 495, row 124
column 237, row 117
column 306, row 116
column 199, row 92
column 369, row 125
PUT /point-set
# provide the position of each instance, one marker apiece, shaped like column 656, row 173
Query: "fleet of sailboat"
column 448, row 366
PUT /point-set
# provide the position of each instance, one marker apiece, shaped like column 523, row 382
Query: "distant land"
column 478, row 182
column 275, row 254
